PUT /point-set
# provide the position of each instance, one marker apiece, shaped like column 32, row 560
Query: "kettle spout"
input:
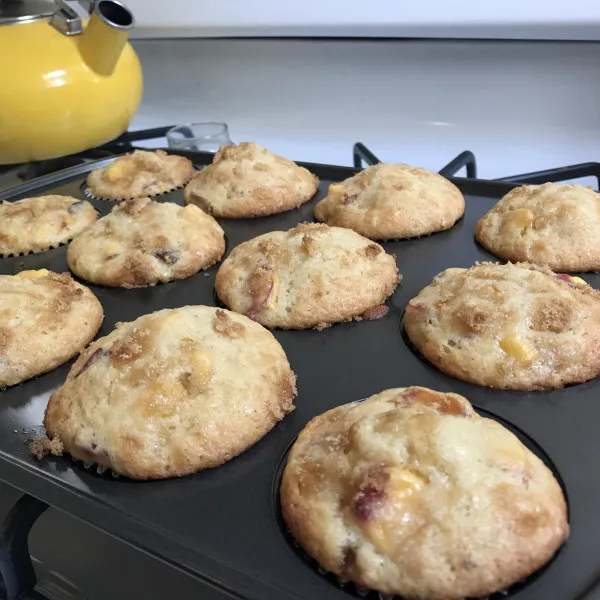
column 105, row 36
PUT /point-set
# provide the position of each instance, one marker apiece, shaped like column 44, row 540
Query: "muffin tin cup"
column 39, row 251
column 86, row 192
column 96, row 469
column 418, row 354
column 45, row 248
column 105, row 206
column 402, row 239
column 354, row 591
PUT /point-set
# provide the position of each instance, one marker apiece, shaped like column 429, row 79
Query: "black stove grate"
column 465, row 159
column 591, row 169
column 362, row 155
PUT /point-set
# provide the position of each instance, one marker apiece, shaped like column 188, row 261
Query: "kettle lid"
column 22, row 11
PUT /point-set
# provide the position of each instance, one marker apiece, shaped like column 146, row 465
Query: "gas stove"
column 59, row 535
column 463, row 165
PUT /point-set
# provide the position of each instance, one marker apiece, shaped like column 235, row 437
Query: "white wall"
column 520, row 106
column 516, row 19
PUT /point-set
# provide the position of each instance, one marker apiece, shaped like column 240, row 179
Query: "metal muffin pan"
column 223, row 525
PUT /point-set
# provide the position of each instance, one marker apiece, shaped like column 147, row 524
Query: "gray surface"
column 75, row 561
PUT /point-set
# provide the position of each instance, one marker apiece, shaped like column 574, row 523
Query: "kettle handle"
column 68, row 18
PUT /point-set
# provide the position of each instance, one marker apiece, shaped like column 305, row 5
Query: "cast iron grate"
column 590, row 169
column 362, row 155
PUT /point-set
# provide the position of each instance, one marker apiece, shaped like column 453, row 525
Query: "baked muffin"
column 45, row 319
column 513, row 326
column 142, row 243
column 412, row 493
column 551, row 225
column 172, row 393
column 140, row 174
column 310, row 276
column 247, row 180
column 37, row 224
column 389, row 201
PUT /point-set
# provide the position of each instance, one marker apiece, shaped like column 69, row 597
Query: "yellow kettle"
column 68, row 83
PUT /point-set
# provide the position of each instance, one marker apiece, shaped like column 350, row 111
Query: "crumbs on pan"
column 46, row 446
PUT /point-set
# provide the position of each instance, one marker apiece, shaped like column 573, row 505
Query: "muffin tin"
column 223, row 525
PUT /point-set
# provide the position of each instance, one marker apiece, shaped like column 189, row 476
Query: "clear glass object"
column 207, row 137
